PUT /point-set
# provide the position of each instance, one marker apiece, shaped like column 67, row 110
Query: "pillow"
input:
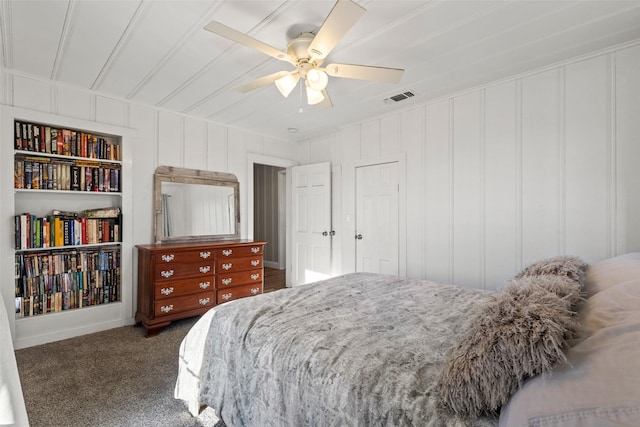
column 567, row 266
column 521, row 332
column 599, row 384
column 612, row 271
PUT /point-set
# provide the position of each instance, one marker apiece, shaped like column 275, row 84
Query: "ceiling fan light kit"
column 307, row 52
column 317, row 79
column 313, row 96
column 287, row 83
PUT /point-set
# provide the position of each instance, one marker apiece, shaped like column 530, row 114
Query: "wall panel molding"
column 552, row 172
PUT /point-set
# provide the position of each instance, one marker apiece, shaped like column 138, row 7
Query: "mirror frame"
column 192, row 176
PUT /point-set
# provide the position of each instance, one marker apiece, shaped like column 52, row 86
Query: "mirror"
column 194, row 204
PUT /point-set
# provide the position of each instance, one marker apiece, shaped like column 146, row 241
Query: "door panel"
column 377, row 219
column 311, row 209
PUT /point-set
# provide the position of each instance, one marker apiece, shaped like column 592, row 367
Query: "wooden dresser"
column 179, row 280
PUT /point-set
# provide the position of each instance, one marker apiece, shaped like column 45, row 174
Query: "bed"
column 374, row 350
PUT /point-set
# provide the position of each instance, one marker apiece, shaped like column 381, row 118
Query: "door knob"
column 324, row 233
column 359, row 236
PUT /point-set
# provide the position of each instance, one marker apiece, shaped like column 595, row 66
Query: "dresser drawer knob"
column 227, row 297
column 204, row 285
column 226, row 281
column 255, row 290
column 166, row 291
column 227, row 266
column 168, row 258
column 166, row 308
column 166, row 273
column 205, row 269
column 205, row 255
column 204, row 301
column 227, row 252
column 255, row 262
column 255, row 276
column 255, row 250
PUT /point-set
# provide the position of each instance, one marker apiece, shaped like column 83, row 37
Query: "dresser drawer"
column 174, row 288
column 225, row 280
column 164, row 272
column 184, row 303
column 168, row 256
column 229, row 294
column 239, row 252
column 238, row 264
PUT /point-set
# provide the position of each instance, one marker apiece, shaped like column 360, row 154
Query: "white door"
column 311, row 234
column 377, row 225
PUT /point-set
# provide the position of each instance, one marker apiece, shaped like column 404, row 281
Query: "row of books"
column 51, row 282
column 34, row 264
column 67, row 142
column 59, row 301
column 53, row 174
column 57, row 230
column 65, row 282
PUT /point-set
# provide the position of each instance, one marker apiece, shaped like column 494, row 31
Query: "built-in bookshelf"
column 70, row 269
column 66, row 223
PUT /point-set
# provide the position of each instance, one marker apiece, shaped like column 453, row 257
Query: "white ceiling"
column 156, row 52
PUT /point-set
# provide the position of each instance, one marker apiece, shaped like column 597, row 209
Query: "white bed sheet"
column 13, row 411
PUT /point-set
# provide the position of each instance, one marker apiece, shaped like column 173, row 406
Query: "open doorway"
column 267, row 212
column 267, row 207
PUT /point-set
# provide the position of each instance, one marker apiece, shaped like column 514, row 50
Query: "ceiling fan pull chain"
column 300, row 110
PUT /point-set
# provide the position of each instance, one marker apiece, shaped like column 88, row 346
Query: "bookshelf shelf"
column 67, row 247
column 69, row 260
column 79, row 193
column 63, row 157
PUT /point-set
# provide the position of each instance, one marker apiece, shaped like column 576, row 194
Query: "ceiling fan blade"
column 262, row 81
column 365, row 72
column 238, row 37
column 325, row 103
column 343, row 16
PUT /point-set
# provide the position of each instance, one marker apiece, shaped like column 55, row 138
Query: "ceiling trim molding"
column 65, row 38
column 140, row 12
column 5, row 30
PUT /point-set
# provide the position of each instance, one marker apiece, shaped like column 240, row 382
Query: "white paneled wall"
column 541, row 165
column 161, row 138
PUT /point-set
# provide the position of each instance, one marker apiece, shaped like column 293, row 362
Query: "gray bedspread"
column 356, row 350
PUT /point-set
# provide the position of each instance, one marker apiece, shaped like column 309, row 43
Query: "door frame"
column 349, row 245
column 282, row 219
column 252, row 160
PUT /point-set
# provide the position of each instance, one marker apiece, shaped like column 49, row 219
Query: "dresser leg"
column 152, row 330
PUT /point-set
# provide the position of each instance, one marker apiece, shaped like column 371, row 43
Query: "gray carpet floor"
column 112, row 378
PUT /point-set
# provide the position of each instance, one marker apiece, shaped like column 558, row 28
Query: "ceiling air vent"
column 398, row 97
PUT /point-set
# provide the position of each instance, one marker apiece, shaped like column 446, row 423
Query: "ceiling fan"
column 307, row 52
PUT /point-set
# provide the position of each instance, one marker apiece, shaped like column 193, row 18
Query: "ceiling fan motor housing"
column 298, row 47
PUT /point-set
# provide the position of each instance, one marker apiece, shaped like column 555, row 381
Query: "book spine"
column 18, row 173
column 17, row 231
column 35, row 135
column 27, row 174
column 47, row 139
column 54, row 141
column 18, row 135
column 75, row 178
